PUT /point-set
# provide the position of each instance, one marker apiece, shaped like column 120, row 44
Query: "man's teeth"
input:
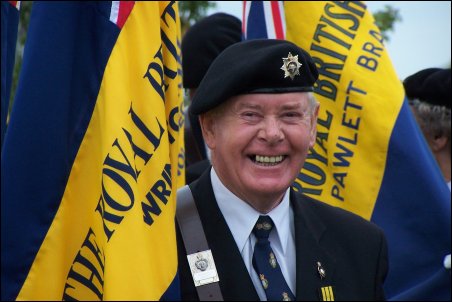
column 269, row 159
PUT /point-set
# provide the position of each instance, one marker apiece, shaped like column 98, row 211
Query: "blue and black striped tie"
column 266, row 265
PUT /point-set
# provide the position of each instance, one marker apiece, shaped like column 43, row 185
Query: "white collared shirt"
column 241, row 218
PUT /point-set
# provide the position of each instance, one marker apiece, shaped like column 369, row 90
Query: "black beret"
column 431, row 85
column 255, row 66
column 204, row 41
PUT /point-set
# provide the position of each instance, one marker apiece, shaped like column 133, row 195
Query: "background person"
column 430, row 93
column 201, row 44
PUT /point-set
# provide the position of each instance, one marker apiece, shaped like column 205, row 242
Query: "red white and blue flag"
column 263, row 20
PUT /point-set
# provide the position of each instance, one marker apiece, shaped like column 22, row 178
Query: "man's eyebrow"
column 257, row 106
column 248, row 106
column 292, row 106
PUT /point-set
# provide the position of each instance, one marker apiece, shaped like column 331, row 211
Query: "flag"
column 263, row 20
column 370, row 157
column 10, row 23
column 91, row 158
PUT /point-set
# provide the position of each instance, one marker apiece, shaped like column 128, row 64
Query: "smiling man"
column 258, row 117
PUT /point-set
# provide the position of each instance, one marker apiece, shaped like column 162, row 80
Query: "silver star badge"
column 291, row 66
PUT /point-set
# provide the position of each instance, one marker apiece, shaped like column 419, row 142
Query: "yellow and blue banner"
column 93, row 155
column 10, row 24
column 370, row 156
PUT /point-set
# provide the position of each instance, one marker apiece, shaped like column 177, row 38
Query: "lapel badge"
column 321, row 271
column 326, row 293
column 291, row 66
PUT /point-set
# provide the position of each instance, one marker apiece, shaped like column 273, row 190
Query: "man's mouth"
column 267, row 160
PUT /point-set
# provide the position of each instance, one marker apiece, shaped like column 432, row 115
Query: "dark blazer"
column 352, row 251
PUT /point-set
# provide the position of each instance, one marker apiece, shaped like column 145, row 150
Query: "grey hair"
column 433, row 119
column 313, row 103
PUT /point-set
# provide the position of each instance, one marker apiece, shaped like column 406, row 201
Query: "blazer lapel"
column 235, row 281
column 310, row 254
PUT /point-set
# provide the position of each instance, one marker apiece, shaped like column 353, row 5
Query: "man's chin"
column 270, row 186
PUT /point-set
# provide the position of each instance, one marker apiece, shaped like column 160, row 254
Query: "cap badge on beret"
column 291, row 66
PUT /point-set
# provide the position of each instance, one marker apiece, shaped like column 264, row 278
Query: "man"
column 429, row 92
column 201, row 44
column 258, row 117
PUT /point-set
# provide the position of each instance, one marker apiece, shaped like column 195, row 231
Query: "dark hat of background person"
column 254, row 66
column 204, row 41
column 431, row 85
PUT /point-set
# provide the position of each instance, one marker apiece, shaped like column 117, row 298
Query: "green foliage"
column 385, row 20
column 192, row 11
column 24, row 18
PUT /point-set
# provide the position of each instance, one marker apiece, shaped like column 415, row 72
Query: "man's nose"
column 271, row 130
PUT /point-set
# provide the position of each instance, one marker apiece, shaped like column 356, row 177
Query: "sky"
column 421, row 40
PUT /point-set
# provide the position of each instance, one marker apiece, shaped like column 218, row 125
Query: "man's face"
column 259, row 142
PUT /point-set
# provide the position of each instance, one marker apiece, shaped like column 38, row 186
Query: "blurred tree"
column 24, row 18
column 385, row 20
column 192, row 11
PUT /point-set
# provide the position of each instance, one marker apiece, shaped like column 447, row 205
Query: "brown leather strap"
column 194, row 238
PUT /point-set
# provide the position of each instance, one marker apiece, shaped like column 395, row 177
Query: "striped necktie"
column 266, row 265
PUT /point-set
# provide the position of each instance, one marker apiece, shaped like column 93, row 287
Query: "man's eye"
column 292, row 115
column 249, row 114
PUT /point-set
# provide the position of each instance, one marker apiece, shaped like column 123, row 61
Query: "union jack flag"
column 263, row 20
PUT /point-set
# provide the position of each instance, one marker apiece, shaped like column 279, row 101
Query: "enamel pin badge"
column 321, row 271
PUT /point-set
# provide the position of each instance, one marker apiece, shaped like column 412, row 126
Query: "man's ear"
column 314, row 126
column 438, row 142
column 207, row 123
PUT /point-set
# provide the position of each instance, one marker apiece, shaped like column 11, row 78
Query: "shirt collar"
column 241, row 217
